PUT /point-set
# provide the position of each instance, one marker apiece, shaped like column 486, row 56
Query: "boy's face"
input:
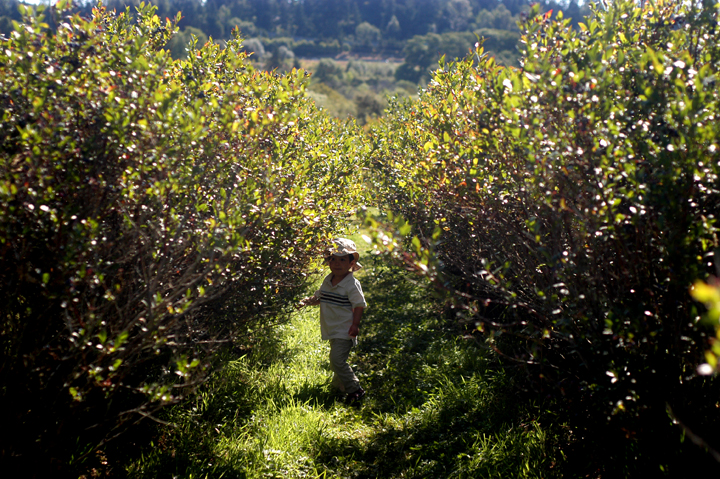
column 340, row 265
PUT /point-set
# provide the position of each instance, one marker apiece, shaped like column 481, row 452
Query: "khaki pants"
column 343, row 378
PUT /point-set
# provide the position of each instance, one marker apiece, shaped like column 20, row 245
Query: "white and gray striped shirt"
column 337, row 304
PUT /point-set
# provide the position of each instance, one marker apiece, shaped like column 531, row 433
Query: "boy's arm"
column 355, row 326
column 309, row 301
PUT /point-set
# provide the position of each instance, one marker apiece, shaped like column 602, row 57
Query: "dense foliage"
column 151, row 211
column 571, row 205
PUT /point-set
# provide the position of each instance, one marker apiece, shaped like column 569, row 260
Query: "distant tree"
column 500, row 18
column 423, row 50
column 8, row 13
column 328, row 72
column 393, row 29
column 218, row 21
column 242, row 9
column 377, row 12
column 268, row 14
column 478, row 5
column 6, row 26
column 517, row 6
column 367, row 36
column 368, row 105
column 193, row 12
column 333, row 18
column 501, row 43
column 302, row 20
column 418, row 18
column 421, row 53
column 282, row 59
column 215, row 15
column 247, row 28
column 456, row 15
column 9, row 8
column 286, row 19
column 254, row 46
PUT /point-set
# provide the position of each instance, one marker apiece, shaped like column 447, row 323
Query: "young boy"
column 341, row 303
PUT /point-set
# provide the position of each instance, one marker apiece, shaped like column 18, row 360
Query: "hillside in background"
column 359, row 51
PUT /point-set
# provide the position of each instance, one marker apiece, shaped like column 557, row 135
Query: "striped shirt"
column 337, row 304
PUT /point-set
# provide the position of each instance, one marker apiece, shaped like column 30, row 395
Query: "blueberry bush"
column 152, row 210
column 569, row 206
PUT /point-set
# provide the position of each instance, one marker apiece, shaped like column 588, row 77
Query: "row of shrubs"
column 152, row 211
column 570, row 204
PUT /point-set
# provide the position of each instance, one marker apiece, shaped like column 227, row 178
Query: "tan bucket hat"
column 343, row 247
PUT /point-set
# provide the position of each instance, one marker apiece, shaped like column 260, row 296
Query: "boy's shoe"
column 355, row 396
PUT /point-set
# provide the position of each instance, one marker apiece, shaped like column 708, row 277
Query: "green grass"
column 438, row 405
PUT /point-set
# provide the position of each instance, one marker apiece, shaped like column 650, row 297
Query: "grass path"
column 437, row 406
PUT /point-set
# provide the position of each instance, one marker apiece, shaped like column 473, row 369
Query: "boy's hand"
column 353, row 331
column 355, row 326
column 309, row 301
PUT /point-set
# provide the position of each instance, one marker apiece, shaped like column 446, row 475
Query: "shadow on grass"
column 438, row 404
column 184, row 446
column 317, row 396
